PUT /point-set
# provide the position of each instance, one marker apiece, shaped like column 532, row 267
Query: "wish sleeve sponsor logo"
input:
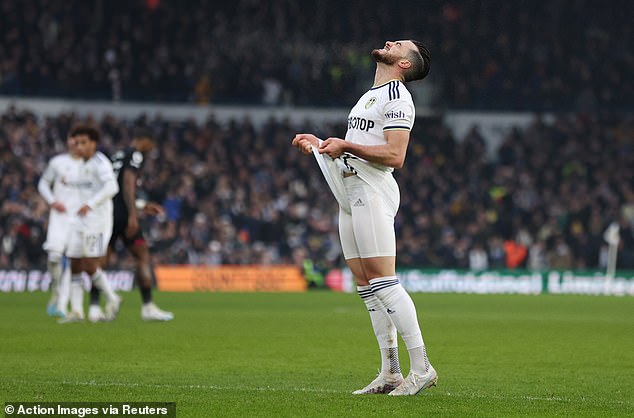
column 395, row 114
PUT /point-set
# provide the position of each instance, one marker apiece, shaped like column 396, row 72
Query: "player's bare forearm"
column 380, row 154
column 129, row 192
column 391, row 154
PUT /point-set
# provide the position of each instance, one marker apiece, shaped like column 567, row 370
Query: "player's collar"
column 385, row 84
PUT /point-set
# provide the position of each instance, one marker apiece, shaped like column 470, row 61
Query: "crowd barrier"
column 37, row 280
column 502, row 281
column 177, row 279
column 254, row 278
column 248, row 278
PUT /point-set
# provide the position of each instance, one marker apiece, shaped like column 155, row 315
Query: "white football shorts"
column 58, row 232
column 368, row 231
column 89, row 242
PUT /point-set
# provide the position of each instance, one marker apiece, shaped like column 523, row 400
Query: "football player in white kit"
column 376, row 142
column 90, row 233
column 58, row 187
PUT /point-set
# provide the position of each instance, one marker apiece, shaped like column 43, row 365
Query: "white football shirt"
column 60, row 180
column 382, row 108
column 97, row 187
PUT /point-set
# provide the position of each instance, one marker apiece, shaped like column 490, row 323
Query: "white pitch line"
column 435, row 392
column 535, row 398
column 206, row 387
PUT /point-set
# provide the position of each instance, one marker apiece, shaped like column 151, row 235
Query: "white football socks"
column 101, row 282
column 64, row 290
column 54, row 266
column 76, row 294
column 401, row 309
column 384, row 330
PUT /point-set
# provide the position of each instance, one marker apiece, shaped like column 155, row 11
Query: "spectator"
column 560, row 256
column 478, row 258
column 223, row 207
column 531, row 56
column 537, row 258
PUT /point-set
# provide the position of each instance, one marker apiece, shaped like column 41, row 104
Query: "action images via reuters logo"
column 94, row 409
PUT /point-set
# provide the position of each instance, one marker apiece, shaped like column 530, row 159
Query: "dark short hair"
column 90, row 131
column 420, row 63
column 142, row 132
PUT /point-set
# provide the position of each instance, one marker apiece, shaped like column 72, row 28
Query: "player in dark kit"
column 127, row 164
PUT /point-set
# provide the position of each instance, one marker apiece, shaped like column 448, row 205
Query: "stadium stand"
column 552, row 191
column 545, row 198
column 555, row 55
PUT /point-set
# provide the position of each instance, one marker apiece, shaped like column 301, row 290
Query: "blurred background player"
column 90, row 234
column 58, row 187
column 127, row 164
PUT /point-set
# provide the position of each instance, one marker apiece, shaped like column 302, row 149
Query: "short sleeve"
column 136, row 160
column 399, row 115
column 105, row 171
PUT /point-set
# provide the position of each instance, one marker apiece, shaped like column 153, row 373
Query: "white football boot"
column 112, row 307
column 95, row 314
column 73, row 316
column 384, row 383
column 151, row 312
column 415, row 383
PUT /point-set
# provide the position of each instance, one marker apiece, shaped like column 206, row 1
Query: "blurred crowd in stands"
column 237, row 193
column 486, row 54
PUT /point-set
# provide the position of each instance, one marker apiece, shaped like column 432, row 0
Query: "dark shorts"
column 118, row 232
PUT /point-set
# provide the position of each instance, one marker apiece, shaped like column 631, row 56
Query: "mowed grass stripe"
column 432, row 392
column 302, row 354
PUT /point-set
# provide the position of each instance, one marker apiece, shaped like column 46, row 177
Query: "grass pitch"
column 293, row 355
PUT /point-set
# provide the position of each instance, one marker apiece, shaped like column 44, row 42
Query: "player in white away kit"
column 58, row 187
column 376, row 142
column 91, row 232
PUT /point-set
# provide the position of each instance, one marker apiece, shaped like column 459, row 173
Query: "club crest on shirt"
column 370, row 102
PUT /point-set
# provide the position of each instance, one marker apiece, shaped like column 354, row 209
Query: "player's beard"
column 384, row 58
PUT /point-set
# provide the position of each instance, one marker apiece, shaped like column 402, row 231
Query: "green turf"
column 302, row 354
